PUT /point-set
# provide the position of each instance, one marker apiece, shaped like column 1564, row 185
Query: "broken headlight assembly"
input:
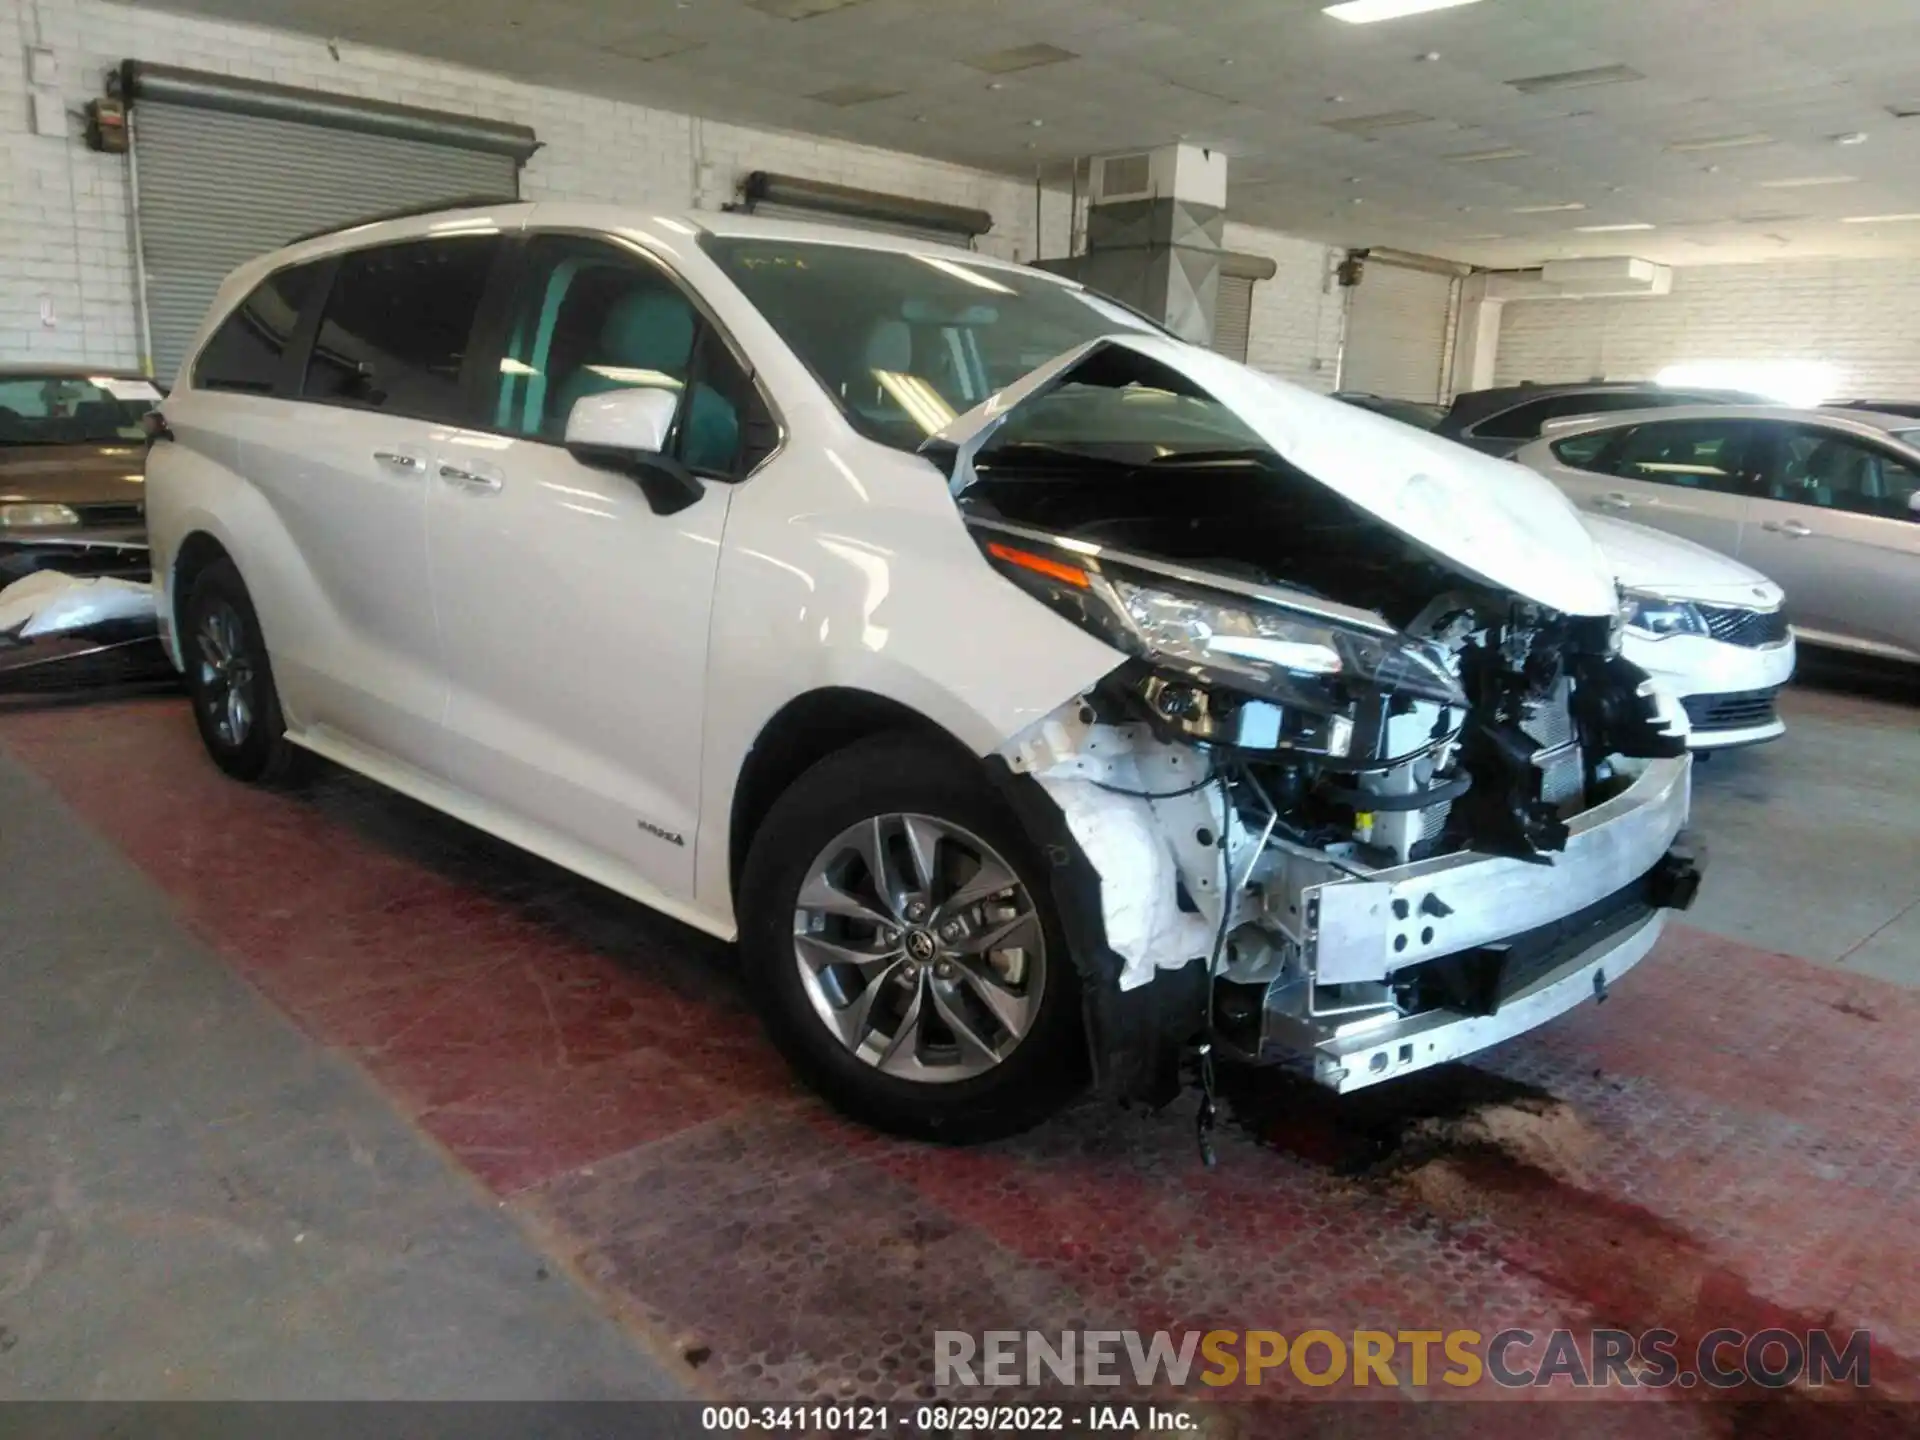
column 1258, row 671
column 1658, row 616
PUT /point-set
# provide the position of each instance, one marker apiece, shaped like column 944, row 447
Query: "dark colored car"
column 72, row 470
column 1422, row 415
column 1500, row 421
column 1909, row 408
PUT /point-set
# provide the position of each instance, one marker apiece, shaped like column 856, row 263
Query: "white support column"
column 1477, row 338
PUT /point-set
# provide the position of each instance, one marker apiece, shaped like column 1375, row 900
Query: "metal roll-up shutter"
column 214, row 189
column 1397, row 333
column 1233, row 317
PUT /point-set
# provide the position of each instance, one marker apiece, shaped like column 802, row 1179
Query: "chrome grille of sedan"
column 1750, row 628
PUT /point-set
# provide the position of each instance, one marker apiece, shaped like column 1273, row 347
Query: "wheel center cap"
column 920, row 945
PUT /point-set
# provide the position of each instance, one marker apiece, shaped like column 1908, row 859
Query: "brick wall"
column 1296, row 315
column 1862, row 316
column 65, row 238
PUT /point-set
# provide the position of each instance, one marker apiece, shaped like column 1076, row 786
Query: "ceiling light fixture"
column 1480, row 157
column 1386, row 120
column 843, row 96
column 1901, row 219
column 1719, row 142
column 1799, row 182
column 1548, row 209
column 1020, row 57
column 1609, row 229
column 1366, row 12
column 1852, row 137
column 1577, row 79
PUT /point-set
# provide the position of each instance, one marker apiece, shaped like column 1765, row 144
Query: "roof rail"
column 408, row 212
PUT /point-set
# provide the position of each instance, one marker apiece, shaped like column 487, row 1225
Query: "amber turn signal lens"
column 1040, row 565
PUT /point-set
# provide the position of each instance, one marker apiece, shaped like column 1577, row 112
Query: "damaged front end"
column 1355, row 797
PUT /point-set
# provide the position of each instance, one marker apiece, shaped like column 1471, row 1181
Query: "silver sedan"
column 1826, row 502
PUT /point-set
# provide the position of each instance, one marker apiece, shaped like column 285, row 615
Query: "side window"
column 1836, row 472
column 394, row 333
column 247, row 351
column 1522, row 422
column 590, row 317
column 1583, row 452
column 1692, row 454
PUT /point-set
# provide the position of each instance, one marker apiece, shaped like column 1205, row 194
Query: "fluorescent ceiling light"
column 843, row 96
column 1608, row 229
column 1577, row 79
column 1386, row 120
column 1020, row 57
column 1901, row 219
column 1801, row 182
column 1547, row 209
column 1719, row 142
column 1477, row 157
column 1365, row 12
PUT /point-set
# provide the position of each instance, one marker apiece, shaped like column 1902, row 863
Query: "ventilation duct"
column 767, row 193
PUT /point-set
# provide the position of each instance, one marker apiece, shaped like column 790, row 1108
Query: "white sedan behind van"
column 1709, row 629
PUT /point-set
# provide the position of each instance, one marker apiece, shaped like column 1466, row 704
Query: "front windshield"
column 72, row 409
column 905, row 342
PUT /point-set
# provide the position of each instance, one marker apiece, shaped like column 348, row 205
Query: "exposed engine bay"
column 1370, row 794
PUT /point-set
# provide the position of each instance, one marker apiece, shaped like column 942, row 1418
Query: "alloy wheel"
column 920, row 948
column 226, row 674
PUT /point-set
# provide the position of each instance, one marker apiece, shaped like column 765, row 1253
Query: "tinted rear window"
column 247, row 351
column 395, row 329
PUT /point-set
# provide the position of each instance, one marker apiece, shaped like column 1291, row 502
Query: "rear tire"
column 230, row 681
column 932, row 1001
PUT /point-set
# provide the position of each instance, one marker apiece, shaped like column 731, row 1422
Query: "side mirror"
column 627, row 430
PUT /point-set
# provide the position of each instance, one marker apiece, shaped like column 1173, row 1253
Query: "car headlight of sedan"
column 1218, row 666
column 1659, row 616
column 36, row 516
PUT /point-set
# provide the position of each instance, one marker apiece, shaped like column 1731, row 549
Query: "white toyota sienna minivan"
column 1037, row 698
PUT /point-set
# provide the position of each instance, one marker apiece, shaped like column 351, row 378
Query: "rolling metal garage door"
column 215, row 186
column 1397, row 324
column 1233, row 316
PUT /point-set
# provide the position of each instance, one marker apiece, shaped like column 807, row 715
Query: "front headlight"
column 1236, row 669
column 36, row 516
column 1658, row 616
column 1274, row 653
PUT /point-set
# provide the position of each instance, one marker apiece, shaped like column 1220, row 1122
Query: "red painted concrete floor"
column 1731, row 1141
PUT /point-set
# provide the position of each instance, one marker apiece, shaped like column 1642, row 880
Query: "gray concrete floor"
column 196, row 1202
column 1814, row 840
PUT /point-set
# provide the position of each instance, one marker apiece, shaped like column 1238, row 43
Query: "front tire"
column 230, row 680
column 902, row 947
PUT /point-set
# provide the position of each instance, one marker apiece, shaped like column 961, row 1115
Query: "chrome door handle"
column 1787, row 527
column 1614, row 500
column 469, row 479
column 398, row 461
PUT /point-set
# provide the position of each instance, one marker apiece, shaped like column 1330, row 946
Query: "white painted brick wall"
column 1862, row 316
column 65, row 234
column 1296, row 315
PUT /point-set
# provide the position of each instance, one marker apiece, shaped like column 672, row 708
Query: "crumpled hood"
column 1662, row 564
column 1491, row 519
